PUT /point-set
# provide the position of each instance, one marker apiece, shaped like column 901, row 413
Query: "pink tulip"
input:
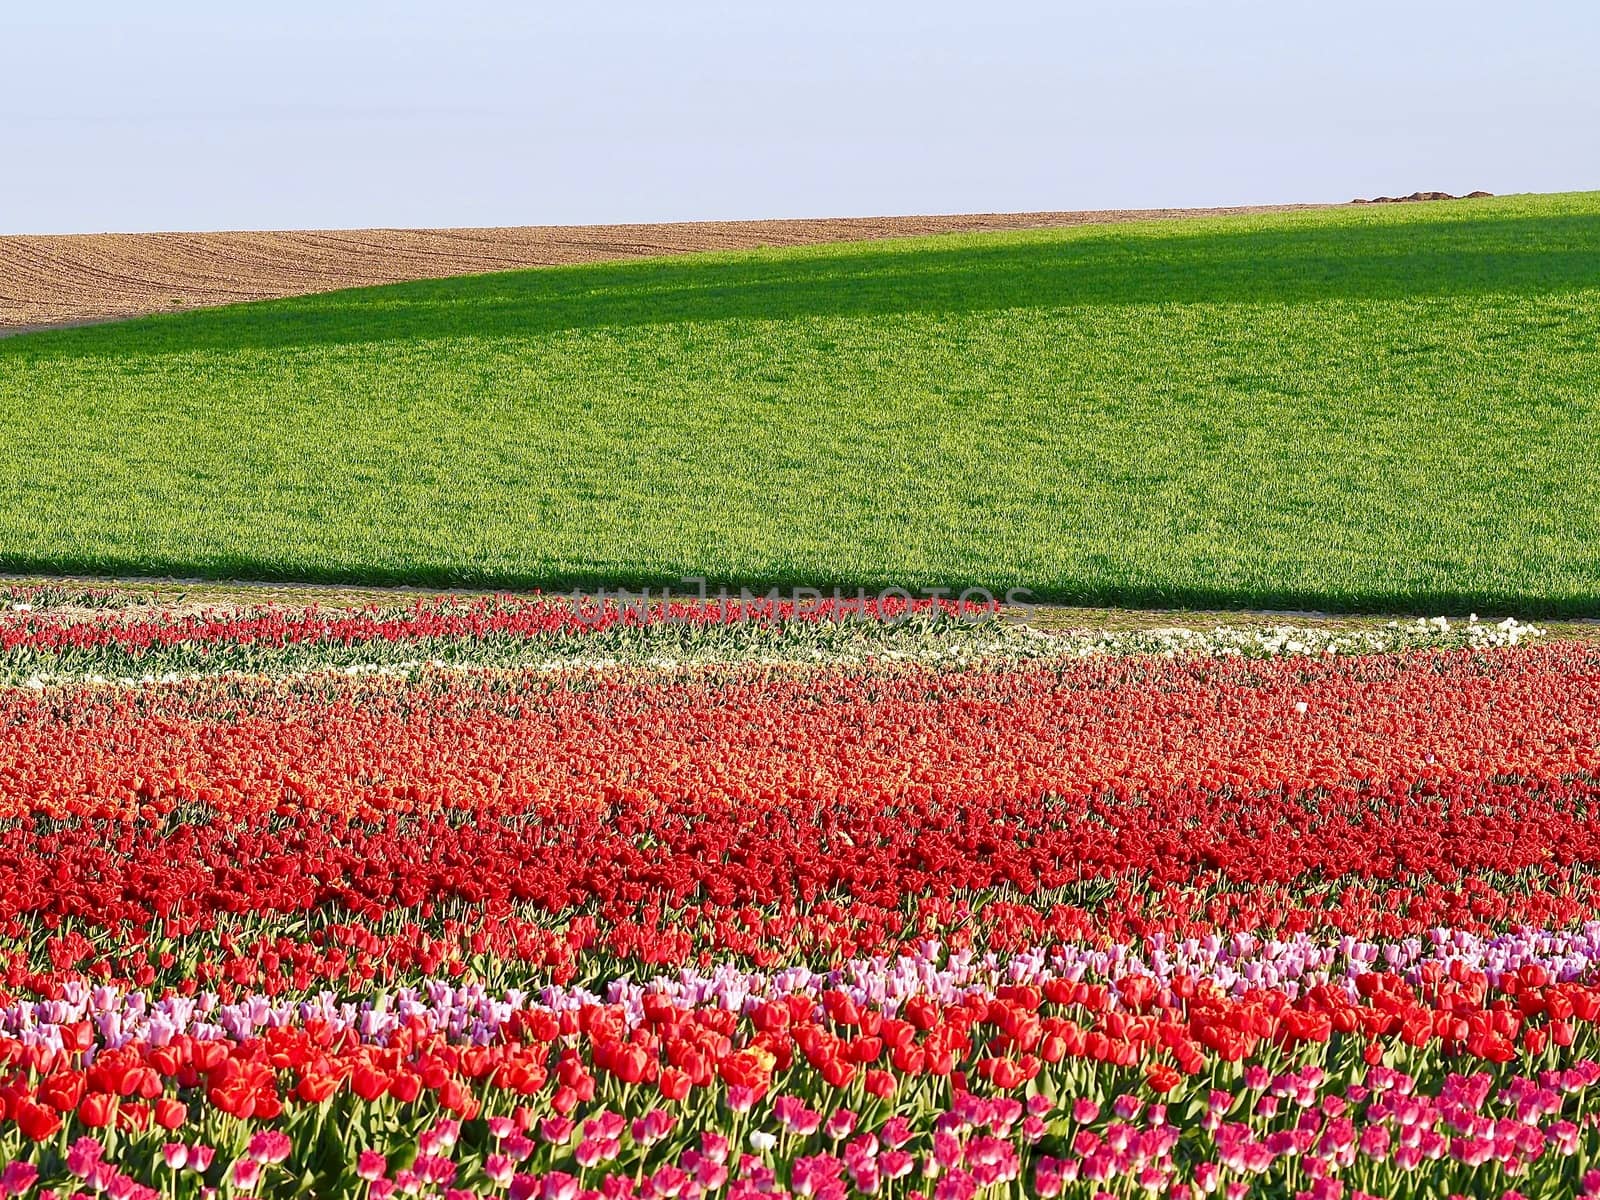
column 246, row 1174
column 82, row 1155
column 269, row 1146
column 653, row 1126
column 591, row 1152
column 895, row 1164
column 714, row 1146
column 18, row 1177
column 840, row 1124
column 896, row 1132
column 742, row 1098
column 499, row 1168
column 556, row 1131
column 794, row 1116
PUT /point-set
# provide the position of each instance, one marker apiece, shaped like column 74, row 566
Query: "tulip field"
column 532, row 898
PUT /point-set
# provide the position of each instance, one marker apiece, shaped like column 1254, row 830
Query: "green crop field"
column 1364, row 408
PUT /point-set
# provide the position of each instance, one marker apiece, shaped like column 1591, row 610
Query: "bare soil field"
column 73, row 279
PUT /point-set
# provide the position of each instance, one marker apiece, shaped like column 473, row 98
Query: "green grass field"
column 1391, row 408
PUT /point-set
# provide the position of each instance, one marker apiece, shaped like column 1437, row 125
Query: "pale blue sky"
column 178, row 115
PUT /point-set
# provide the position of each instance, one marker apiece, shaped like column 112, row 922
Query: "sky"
column 175, row 115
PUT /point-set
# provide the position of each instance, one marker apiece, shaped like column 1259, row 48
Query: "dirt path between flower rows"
column 74, row 279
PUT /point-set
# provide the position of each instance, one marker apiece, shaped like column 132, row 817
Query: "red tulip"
column 36, row 1121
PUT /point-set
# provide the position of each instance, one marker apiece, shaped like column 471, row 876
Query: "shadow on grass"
column 1087, row 593
column 1280, row 264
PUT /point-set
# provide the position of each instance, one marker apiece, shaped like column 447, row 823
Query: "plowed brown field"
column 77, row 278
